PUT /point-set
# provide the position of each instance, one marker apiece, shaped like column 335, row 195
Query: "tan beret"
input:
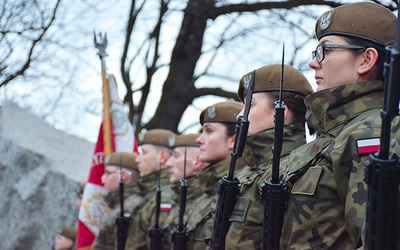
column 224, row 112
column 186, row 140
column 123, row 159
column 368, row 21
column 69, row 232
column 268, row 78
column 157, row 137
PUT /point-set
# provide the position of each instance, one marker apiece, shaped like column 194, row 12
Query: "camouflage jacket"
column 200, row 220
column 327, row 200
column 107, row 237
column 144, row 217
column 245, row 231
column 193, row 192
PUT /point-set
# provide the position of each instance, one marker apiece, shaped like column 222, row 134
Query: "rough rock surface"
column 40, row 171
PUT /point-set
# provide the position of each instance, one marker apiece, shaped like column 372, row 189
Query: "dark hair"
column 295, row 102
column 381, row 54
column 230, row 128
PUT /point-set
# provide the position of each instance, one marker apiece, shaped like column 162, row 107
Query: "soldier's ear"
column 164, row 156
column 288, row 116
column 368, row 60
column 125, row 174
column 231, row 142
column 285, row 113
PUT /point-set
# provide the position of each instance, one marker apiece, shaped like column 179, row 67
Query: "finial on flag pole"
column 100, row 43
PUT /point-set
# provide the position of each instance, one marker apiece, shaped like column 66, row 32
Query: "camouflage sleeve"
column 327, row 203
column 138, row 234
column 141, row 224
column 105, row 240
column 245, row 231
column 201, row 221
column 348, row 171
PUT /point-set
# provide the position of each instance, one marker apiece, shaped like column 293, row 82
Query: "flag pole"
column 101, row 45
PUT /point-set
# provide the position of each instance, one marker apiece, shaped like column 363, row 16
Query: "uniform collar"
column 261, row 144
column 112, row 198
column 193, row 188
column 210, row 176
column 148, row 183
column 330, row 107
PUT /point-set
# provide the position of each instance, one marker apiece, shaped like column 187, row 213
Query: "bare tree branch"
column 42, row 31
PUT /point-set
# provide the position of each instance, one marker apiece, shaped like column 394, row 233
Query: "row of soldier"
column 326, row 203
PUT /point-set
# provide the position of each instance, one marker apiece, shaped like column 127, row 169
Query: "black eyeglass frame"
column 315, row 53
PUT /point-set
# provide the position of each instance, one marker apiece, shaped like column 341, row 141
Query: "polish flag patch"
column 165, row 207
column 368, row 146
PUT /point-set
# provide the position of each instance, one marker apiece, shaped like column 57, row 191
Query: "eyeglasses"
column 117, row 171
column 107, row 173
column 319, row 52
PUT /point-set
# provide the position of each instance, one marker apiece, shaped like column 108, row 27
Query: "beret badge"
column 325, row 20
column 211, row 112
column 246, row 81
column 171, row 141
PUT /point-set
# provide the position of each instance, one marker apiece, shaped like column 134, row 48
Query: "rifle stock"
column 228, row 186
column 382, row 171
column 273, row 190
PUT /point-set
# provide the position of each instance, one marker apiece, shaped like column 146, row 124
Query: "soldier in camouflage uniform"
column 216, row 143
column 155, row 146
column 328, row 195
column 176, row 164
column 245, row 231
column 107, row 237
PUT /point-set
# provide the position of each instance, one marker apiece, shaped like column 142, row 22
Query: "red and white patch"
column 165, row 207
column 368, row 146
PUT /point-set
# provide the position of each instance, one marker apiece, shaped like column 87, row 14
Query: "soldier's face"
column 339, row 67
column 215, row 144
column 261, row 115
column 176, row 163
column 149, row 160
column 110, row 178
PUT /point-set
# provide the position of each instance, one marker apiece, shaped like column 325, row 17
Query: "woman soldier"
column 216, row 143
column 245, row 231
column 328, row 195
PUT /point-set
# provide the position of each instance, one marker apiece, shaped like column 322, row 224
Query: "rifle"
column 273, row 190
column 179, row 233
column 155, row 232
column 382, row 171
column 228, row 186
column 121, row 221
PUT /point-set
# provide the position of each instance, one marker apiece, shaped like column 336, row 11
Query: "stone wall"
column 40, row 172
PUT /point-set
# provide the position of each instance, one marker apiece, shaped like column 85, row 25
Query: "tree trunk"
column 179, row 89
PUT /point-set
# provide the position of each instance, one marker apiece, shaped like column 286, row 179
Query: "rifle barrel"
column 228, row 186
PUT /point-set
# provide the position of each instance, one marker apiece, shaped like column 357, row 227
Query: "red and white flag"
column 368, row 145
column 93, row 207
column 165, row 207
